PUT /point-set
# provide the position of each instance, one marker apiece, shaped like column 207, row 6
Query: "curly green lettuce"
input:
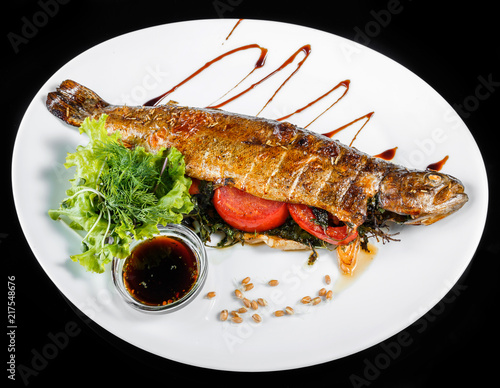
column 119, row 193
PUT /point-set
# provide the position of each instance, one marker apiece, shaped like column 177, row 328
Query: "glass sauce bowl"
column 164, row 273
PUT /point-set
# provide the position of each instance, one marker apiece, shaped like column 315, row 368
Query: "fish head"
column 424, row 196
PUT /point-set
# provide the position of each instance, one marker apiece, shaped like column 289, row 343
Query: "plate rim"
column 22, row 124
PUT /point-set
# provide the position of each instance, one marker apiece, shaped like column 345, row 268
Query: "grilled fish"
column 271, row 159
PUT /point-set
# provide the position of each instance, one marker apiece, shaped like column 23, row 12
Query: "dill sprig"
column 118, row 193
column 130, row 182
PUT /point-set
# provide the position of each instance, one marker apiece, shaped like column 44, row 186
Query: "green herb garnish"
column 321, row 217
column 118, row 193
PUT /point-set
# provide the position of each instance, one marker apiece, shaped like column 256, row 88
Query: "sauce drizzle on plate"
column 306, row 50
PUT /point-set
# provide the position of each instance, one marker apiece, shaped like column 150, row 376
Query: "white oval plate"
column 403, row 282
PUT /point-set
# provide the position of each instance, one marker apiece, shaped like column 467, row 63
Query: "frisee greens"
column 118, row 193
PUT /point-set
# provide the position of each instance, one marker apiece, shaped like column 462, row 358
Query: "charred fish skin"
column 267, row 158
column 426, row 196
column 72, row 103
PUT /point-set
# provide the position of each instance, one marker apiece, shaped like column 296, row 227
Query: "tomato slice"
column 247, row 212
column 304, row 217
column 195, row 186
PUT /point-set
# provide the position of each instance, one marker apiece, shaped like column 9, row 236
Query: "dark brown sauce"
column 260, row 62
column 234, row 28
column 367, row 116
column 160, row 271
column 438, row 165
column 305, row 49
column 387, row 154
column 345, row 84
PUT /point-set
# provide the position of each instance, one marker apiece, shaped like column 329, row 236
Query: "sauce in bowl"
column 162, row 273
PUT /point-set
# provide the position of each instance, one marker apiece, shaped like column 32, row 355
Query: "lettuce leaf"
column 119, row 193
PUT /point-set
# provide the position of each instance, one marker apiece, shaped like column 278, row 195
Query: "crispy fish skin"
column 270, row 159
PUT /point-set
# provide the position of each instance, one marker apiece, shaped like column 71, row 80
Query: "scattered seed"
column 248, row 286
column 211, row 295
column 254, row 304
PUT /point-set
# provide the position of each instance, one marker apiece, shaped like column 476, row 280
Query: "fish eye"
column 434, row 179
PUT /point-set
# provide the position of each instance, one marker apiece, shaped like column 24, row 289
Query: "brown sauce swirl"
column 306, row 51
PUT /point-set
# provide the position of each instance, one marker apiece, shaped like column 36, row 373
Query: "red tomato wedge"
column 304, row 217
column 195, row 186
column 247, row 212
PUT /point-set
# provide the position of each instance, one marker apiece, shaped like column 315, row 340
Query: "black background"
column 449, row 45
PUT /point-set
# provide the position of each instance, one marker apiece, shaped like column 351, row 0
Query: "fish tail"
column 72, row 102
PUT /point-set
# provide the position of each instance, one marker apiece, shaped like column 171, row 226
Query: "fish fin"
column 72, row 102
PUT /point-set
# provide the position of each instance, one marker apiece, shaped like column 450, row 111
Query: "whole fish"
column 271, row 159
